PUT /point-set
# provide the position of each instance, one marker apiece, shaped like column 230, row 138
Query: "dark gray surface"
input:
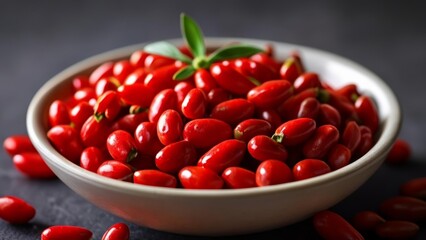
column 40, row 38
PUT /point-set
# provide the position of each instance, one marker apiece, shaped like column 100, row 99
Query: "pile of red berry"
column 235, row 118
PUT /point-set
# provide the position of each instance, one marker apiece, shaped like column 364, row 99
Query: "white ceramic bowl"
column 222, row 212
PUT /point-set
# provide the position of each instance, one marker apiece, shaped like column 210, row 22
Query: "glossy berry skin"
column 182, row 89
column 238, row 177
column 253, row 69
column 345, row 106
column 404, row 208
column 338, row 156
column 262, row 148
column 206, row 132
column 250, row 128
column 366, row 141
column 272, row 172
column 164, row 100
column 414, row 188
column 121, row 146
column 204, row 80
column 136, row 94
column 87, row 94
column 231, row 80
column 80, row 82
column 169, row 127
column 351, row 136
column 308, row 168
column 146, row 138
column 175, row 156
column 324, row 138
column 216, row 96
column 106, row 84
column 331, row 226
column 130, row 122
column 58, row 113
column 32, row 165
column 118, row 231
column 270, row 94
column 367, row 112
column 66, row 232
column 16, row 144
column 153, row 177
column 309, row 108
column 350, row 91
column 137, row 76
column 153, row 62
column 290, row 70
column 267, row 60
column 116, row 170
column 290, row 108
column 66, row 141
column 108, row 105
column 102, row 71
column 137, row 58
column 94, row 132
column 366, row 220
column 397, row 229
column 226, row 154
column 400, row 152
column 122, row 69
column 161, row 78
column 270, row 115
column 295, row 132
column 91, row 158
column 15, row 210
column 80, row 113
column 305, row 81
column 233, row 111
column 195, row 177
column 195, row 104
column 329, row 115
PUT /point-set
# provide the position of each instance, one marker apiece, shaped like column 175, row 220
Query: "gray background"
column 40, row 38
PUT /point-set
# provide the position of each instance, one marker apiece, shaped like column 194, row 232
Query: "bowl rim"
column 38, row 137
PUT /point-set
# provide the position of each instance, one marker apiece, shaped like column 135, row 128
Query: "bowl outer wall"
column 222, row 212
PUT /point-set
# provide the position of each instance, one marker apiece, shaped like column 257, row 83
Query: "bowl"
column 222, row 212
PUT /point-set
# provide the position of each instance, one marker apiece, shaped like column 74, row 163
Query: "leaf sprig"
column 194, row 38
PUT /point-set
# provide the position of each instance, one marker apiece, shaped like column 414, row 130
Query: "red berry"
column 15, row 210
column 228, row 153
column 121, row 146
column 118, row 231
column 331, row 226
column 400, row 152
column 116, row 170
column 238, row 177
column 152, row 177
column 32, row 165
column 206, row 132
column 175, row 156
column 309, row 168
column 271, row 172
column 194, row 177
column 16, row 144
column 66, row 232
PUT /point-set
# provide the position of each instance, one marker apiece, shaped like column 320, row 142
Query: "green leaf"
column 167, row 50
column 193, row 36
column 184, row 73
column 233, row 51
column 254, row 81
